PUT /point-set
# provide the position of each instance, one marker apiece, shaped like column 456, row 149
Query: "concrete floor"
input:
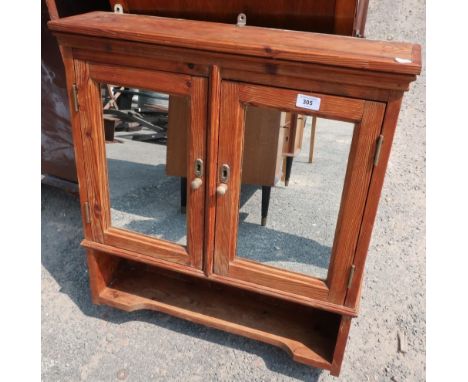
column 81, row 341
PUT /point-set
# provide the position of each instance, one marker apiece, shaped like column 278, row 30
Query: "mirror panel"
column 290, row 195
column 146, row 152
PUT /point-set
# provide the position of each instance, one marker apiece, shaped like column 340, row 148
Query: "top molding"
column 281, row 45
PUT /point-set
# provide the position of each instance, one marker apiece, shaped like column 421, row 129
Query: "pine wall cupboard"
column 293, row 282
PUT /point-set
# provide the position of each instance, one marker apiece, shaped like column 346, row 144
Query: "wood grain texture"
column 388, row 131
column 146, row 245
column 52, row 9
column 267, row 276
column 211, row 167
column 92, row 135
column 276, row 293
column 101, row 269
column 308, row 85
column 196, row 150
column 270, row 71
column 312, row 139
column 177, row 131
column 77, row 139
column 345, row 11
column 142, row 258
column 177, row 84
column 339, row 108
column 296, row 126
column 222, row 70
column 231, row 129
column 307, row 334
column 356, row 184
column 262, row 144
column 187, row 269
column 255, row 41
column 352, row 202
column 340, row 346
column 122, row 54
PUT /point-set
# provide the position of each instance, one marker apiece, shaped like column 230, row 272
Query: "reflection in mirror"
column 293, row 173
column 146, row 151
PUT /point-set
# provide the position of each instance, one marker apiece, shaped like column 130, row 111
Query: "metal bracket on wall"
column 241, row 20
column 118, row 8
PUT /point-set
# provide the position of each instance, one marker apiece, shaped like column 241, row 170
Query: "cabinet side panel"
column 77, row 138
column 388, row 131
column 92, row 131
column 358, row 175
column 340, row 347
column 101, row 268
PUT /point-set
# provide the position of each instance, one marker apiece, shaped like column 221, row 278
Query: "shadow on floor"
column 65, row 260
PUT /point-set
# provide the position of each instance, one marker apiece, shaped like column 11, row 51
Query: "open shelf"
column 308, row 334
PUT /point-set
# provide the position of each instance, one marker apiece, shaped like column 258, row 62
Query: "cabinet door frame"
column 367, row 117
column 88, row 77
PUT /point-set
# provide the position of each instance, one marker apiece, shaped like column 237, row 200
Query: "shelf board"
column 308, row 334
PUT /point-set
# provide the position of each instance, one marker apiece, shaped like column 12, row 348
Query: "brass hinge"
column 378, row 149
column 75, row 97
column 86, row 212
column 351, row 275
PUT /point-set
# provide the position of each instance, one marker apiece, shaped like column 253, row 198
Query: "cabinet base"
column 309, row 335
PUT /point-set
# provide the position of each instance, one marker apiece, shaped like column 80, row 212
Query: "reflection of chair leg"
column 312, row 139
column 266, row 191
column 289, row 162
column 183, row 195
column 124, row 102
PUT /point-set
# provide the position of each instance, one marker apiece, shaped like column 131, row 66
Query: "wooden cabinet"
column 345, row 17
column 230, row 103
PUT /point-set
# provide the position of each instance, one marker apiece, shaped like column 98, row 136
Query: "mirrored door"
column 294, row 171
column 147, row 131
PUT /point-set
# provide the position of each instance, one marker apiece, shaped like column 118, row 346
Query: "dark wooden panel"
column 262, row 146
column 344, row 17
column 57, row 153
column 176, row 154
column 57, row 156
column 303, row 15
